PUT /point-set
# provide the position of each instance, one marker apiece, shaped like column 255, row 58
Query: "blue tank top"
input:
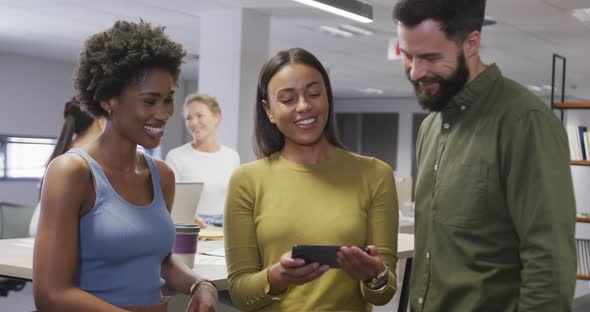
column 121, row 246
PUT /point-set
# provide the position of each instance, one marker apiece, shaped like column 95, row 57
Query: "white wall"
column 233, row 47
column 32, row 94
column 406, row 107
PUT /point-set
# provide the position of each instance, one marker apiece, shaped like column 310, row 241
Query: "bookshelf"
column 572, row 105
column 582, row 220
column 563, row 105
column 583, row 246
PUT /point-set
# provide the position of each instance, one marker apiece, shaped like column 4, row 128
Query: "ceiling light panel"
column 357, row 30
column 373, row 91
column 336, row 31
column 583, row 15
column 353, row 9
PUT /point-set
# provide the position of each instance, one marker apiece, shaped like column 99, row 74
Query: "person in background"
column 307, row 190
column 105, row 234
column 204, row 159
column 495, row 211
column 78, row 128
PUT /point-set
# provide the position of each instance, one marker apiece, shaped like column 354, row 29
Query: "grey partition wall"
column 371, row 134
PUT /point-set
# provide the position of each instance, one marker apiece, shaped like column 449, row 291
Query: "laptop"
column 186, row 200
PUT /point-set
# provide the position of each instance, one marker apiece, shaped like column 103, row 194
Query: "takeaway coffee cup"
column 185, row 244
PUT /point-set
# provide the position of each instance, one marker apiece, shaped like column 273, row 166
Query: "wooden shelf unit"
column 581, row 244
column 583, row 219
column 572, row 105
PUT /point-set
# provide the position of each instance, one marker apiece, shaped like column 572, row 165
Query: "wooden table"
column 16, row 261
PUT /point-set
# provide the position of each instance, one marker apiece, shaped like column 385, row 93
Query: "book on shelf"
column 578, row 140
column 581, row 131
column 586, row 137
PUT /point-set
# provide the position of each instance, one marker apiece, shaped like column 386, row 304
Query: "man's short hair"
column 458, row 18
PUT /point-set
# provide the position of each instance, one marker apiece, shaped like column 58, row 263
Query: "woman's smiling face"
column 298, row 104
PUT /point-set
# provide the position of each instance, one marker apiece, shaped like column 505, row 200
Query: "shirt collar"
column 475, row 90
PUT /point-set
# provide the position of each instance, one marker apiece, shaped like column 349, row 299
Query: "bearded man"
column 495, row 209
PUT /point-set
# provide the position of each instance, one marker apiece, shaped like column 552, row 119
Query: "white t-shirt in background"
column 214, row 169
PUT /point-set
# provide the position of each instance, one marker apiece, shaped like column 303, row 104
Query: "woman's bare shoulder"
column 68, row 168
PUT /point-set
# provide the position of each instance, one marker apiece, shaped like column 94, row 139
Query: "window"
column 23, row 158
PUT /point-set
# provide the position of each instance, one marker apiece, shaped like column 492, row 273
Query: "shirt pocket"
column 462, row 196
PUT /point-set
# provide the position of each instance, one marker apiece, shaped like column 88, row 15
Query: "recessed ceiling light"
column 370, row 90
column 353, row 9
column 336, row 31
column 582, row 15
column 357, row 30
column 534, row 88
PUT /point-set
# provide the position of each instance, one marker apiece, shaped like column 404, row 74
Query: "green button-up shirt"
column 495, row 211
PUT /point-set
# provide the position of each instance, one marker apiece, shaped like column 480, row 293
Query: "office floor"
column 22, row 301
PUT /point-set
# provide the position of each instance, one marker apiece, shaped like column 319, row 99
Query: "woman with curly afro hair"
column 105, row 233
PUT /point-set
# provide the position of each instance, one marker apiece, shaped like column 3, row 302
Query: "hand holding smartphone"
column 320, row 253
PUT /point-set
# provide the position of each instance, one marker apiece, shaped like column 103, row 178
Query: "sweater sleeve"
column 382, row 231
column 248, row 283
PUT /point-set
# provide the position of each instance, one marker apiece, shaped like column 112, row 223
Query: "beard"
column 447, row 87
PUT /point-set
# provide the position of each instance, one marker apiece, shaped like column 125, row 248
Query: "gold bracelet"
column 198, row 283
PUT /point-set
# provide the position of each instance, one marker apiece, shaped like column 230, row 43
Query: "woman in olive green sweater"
column 307, row 190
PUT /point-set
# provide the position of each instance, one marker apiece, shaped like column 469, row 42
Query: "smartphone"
column 319, row 253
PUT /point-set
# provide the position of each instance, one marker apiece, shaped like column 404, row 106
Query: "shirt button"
column 446, row 126
column 420, row 300
column 428, row 255
column 463, row 107
column 435, row 167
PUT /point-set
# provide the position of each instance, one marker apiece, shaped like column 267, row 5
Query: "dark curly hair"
column 458, row 18
column 112, row 59
column 267, row 135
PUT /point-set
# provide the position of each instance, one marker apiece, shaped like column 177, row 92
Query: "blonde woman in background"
column 204, row 159
column 78, row 128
